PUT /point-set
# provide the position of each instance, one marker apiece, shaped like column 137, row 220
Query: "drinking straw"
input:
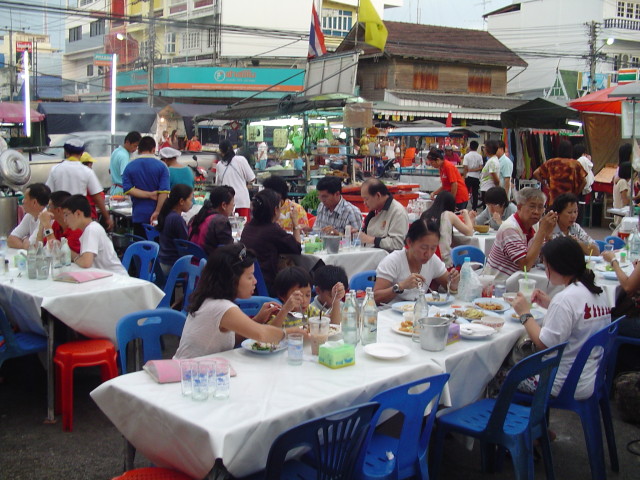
column 525, row 272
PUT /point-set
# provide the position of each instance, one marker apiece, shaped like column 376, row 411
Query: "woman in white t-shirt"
column 234, row 170
column 402, row 271
column 573, row 315
column 214, row 319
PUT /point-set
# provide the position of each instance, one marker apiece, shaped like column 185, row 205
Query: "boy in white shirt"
column 96, row 249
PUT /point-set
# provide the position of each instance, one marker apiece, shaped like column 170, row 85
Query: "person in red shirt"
column 52, row 224
column 450, row 178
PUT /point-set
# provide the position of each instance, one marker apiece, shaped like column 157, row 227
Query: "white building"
column 553, row 35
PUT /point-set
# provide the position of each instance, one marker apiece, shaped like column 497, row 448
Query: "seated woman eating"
column 210, row 227
column 566, row 206
column 402, row 271
column 498, row 208
column 573, row 315
column 214, row 320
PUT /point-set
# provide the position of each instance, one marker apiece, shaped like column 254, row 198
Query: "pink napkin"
column 168, row 371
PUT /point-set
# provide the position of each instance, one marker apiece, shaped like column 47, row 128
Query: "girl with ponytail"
column 171, row 225
column 574, row 314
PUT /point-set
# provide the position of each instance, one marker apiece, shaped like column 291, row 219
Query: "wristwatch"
column 47, row 232
column 396, row 288
column 524, row 317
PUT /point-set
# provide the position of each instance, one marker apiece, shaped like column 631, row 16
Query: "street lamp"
column 593, row 58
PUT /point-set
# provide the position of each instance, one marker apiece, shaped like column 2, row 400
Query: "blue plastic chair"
column 18, row 344
column 617, row 242
column 335, row 442
column 500, row 422
column 251, row 306
column 134, row 238
column 601, row 244
column 261, row 286
column 185, row 247
column 185, row 273
column 362, row 280
column 144, row 256
column 410, row 451
column 151, row 232
column 589, row 409
column 161, row 321
column 474, row 253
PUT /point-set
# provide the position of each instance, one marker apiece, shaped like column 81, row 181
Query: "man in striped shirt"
column 334, row 212
column 521, row 236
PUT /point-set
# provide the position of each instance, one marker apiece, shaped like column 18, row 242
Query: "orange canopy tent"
column 598, row 102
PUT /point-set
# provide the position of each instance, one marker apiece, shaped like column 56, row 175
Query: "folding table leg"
column 51, row 398
column 129, row 455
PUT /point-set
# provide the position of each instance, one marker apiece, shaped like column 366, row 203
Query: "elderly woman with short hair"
column 519, row 239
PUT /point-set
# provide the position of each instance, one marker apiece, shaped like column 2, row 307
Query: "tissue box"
column 313, row 247
column 337, row 355
column 454, row 333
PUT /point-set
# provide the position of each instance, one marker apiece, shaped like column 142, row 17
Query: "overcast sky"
column 447, row 13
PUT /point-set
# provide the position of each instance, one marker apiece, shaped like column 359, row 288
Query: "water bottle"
column 464, row 288
column 65, row 253
column 420, row 310
column 349, row 323
column 32, row 268
column 42, row 264
column 53, row 250
column 3, row 246
column 369, row 319
column 634, row 246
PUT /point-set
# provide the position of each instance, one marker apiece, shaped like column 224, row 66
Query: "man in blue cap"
column 72, row 176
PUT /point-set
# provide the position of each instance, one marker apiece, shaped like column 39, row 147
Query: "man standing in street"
column 506, row 168
column 120, row 159
column 146, row 179
column 472, row 167
column 73, row 177
column 450, row 178
column 562, row 174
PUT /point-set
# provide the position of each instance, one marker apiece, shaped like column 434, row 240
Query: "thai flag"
column 316, row 37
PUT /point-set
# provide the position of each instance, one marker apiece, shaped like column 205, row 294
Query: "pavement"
column 31, row 449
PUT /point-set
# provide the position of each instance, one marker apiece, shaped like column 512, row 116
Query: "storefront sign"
column 24, row 47
column 103, row 59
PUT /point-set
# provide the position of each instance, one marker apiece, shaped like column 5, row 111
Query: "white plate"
column 444, row 299
column 402, row 307
column 246, row 344
column 480, row 233
column 627, row 268
column 593, row 258
column 505, row 306
column 476, row 331
column 387, row 351
column 538, row 315
column 396, row 328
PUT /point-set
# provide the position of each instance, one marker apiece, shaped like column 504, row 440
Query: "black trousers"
column 473, row 184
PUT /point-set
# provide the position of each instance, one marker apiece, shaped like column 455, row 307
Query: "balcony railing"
column 624, row 23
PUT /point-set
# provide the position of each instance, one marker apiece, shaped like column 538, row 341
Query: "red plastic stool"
column 152, row 473
column 83, row 353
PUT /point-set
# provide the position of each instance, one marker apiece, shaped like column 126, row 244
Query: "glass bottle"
column 369, row 315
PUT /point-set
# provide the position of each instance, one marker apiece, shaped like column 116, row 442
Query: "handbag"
column 625, row 305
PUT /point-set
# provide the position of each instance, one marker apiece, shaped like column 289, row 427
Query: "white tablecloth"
column 483, row 241
column 353, row 260
column 428, row 183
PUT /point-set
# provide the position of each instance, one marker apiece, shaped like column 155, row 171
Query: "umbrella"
column 14, row 113
column 598, row 102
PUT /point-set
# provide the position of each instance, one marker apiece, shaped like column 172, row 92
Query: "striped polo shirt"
column 511, row 245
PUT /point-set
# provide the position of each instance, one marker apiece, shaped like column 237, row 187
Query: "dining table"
column 91, row 309
column 483, row 241
column 352, row 259
column 268, row 396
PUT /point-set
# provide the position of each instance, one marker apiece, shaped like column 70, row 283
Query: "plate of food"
column 469, row 313
column 402, row 307
column 626, row 267
column 476, row 331
column 387, row 351
column 262, row 348
column 442, row 299
column 593, row 258
column 538, row 315
column 492, row 305
column 403, row 328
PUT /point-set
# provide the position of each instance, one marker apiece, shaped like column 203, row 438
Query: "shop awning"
column 14, row 113
column 539, row 113
column 598, row 102
column 432, row 132
column 630, row 90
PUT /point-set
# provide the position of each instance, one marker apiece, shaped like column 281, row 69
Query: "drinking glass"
column 187, row 369
column 608, row 247
column 319, row 332
column 294, row 348
column 200, row 381
column 526, row 287
column 223, row 378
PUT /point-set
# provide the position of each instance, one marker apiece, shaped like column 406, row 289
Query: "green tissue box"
column 337, row 355
column 312, row 247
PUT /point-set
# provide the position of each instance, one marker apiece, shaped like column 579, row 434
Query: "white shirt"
column 94, row 240
column 573, row 316
column 27, row 228
column 486, row 179
column 395, row 268
column 236, row 175
column 473, row 160
column 201, row 335
column 73, row 177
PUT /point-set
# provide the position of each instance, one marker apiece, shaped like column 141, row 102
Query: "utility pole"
column 593, row 55
column 151, row 51
column 12, row 72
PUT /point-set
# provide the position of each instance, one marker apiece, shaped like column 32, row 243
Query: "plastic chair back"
column 186, row 273
column 19, row 344
column 335, row 441
column 151, row 232
column 362, row 280
column 134, row 238
column 474, row 253
column 545, row 364
column 617, row 242
column 160, row 321
column 185, row 247
column 251, row 306
column 410, row 452
column 601, row 244
column 261, row 286
column 144, row 256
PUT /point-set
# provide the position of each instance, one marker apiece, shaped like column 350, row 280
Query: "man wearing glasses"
column 521, row 236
